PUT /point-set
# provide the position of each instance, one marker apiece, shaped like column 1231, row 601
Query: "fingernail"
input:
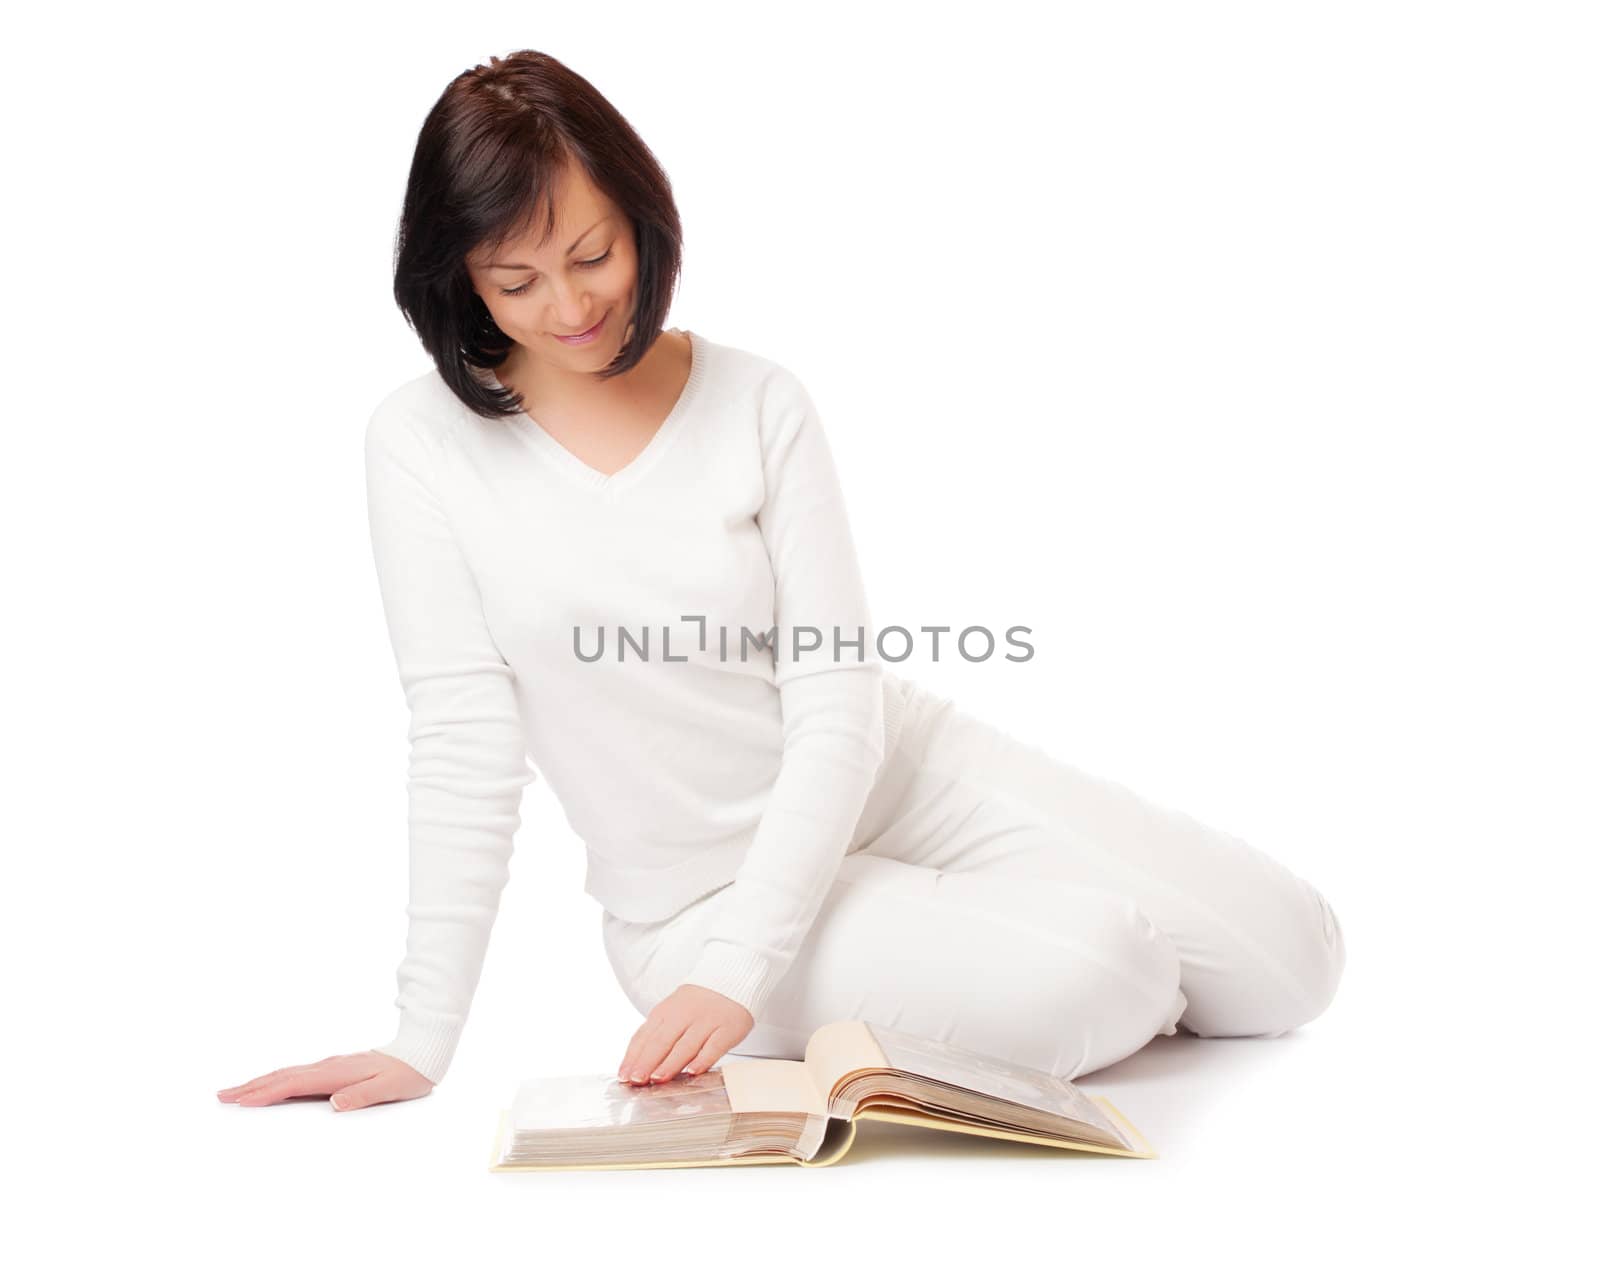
column 338, row 1103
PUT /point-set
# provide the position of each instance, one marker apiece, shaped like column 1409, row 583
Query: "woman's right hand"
column 350, row 1081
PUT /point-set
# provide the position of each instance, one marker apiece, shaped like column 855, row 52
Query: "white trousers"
column 998, row 899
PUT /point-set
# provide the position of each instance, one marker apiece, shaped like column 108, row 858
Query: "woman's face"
column 585, row 274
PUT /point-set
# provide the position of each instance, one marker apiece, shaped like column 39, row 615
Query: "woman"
column 782, row 832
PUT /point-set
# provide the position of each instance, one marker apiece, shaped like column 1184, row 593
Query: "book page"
column 576, row 1121
column 836, row 1049
column 601, row 1101
column 987, row 1075
column 773, row 1084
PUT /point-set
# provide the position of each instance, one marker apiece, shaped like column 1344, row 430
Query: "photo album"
column 770, row 1110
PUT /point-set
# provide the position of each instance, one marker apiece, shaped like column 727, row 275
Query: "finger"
column 270, row 1077
column 633, row 1060
column 630, row 1054
column 259, row 1081
column 626, row 1064
column 682, row 1052
column 263, row 1096
column 367, row 1092
column 305, row 1081
column 657, row 1038
column 712, row 1050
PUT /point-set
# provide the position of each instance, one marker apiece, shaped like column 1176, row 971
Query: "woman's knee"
column 1320, row 979
column 1090, row 986
column 1080, row 976
column 1320, row 965
column 1273, row 990
column 1044, row 973
column 1123, row 992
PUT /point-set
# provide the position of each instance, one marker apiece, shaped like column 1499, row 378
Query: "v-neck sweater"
column 683, row 649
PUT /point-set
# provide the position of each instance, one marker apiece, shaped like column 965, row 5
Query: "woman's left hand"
column 688, row 1030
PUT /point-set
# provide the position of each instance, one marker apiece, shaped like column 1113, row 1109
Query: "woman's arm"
column 833, row 724
column 468, row 763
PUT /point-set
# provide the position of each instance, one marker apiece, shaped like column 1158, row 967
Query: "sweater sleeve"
column 468, row 763
column 832, row 707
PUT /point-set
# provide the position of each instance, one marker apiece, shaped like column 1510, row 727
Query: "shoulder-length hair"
column 484, row 164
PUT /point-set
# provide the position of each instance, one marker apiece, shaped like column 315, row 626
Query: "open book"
column 768, row 1110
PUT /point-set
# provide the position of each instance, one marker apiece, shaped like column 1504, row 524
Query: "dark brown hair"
column 484, row 163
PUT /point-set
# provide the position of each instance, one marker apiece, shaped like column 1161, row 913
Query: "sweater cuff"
column 426, row 1042
column 745, row 976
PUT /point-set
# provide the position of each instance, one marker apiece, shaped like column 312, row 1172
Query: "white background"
column 1247, row 353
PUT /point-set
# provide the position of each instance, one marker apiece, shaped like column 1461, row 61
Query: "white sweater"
column 688, row 768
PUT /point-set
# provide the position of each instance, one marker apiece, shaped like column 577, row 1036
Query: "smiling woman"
column 564, row 314
column 568, row 295
column 533, row 214
column 780, row 841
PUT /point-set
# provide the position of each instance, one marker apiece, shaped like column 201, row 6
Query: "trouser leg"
column 1261, row 951
column 1057, row 976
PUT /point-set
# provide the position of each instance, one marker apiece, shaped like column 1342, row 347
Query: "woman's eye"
column 523, row 288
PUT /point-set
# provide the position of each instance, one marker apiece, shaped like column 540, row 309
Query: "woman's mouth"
column 588, row 335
